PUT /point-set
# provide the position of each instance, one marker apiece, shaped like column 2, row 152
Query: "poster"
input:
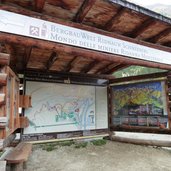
column 60, row 107
column 142, row 104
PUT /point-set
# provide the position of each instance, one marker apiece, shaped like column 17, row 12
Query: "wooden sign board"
column 41, row 29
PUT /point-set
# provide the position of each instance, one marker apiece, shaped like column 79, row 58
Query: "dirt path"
column 110, row 157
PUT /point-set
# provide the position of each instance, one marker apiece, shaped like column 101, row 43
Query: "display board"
column 60, row 107
column 140, row 104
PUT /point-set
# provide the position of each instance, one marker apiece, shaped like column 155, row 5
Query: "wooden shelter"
column 112, row 22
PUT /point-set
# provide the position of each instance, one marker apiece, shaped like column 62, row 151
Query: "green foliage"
column 1, row 152
column 81, row 145
column 99, row 142
column 49, row 147
column 66, row 143
column 136, row 70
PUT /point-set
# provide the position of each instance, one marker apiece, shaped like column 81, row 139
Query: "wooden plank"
column 114, row 20
column 159, row 36
column 20, row 153
column 2, row 165
column 4, row 59
column 142, row 28
column 71, row 64
column 25, row 101
column 85, row 8
column 12, row 105
column 89, row 67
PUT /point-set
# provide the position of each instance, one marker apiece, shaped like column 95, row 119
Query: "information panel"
column 140, row 104
column 41, row 29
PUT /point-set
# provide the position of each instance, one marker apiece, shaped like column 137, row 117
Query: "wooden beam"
column 114, row 20
column 27, row 55
column 108, row 67
column 82, row 12
column 69, row 74
column 101, row 69
column 39, row 5
column 52, row 59
column 4, row 59
column 139, row 77
column 160, row 36
column 76, row 51
column 80, row 26
column 142, row 28
column 114, row 69
column 71, row 63
column 89, row 67
column 167, row 44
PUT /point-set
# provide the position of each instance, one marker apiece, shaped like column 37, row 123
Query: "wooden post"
column 167, row 103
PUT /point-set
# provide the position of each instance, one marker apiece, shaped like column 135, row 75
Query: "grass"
column 66, row 143
column 81, row 145
column 52, row 146
column 99, row 142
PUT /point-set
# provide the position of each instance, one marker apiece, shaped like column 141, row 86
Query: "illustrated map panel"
column 60, row 107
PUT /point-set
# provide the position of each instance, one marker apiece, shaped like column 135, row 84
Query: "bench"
column 18, row 156
column 2, row 165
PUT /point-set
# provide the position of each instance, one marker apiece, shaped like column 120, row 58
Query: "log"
column 4, row 59
column 3, row 122
column 3, row 79
column 2, row 99
column 3, row 119
column 159, row 143
column 140, row 129
column 76, row 51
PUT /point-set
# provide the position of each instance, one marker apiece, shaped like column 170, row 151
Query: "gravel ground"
column 111, row 156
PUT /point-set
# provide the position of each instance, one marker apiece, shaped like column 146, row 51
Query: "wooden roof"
column 119, row 17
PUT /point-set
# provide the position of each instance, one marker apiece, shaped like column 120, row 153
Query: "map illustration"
column 60, row 107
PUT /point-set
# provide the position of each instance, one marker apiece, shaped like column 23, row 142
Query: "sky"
column 150, row 2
